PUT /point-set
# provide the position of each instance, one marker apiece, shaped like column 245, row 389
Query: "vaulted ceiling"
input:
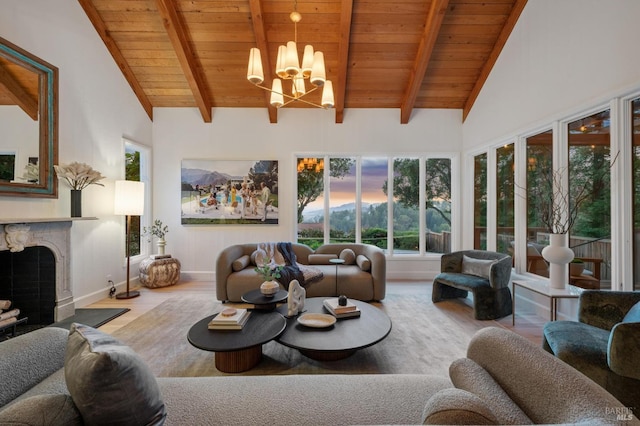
column 403, row 54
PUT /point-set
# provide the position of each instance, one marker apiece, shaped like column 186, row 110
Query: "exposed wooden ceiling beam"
column 178, row 36
column 117, row 55
column 346, row 13
column 493, row 56
column 261, row 41
column 427, row 42
column 18, row 94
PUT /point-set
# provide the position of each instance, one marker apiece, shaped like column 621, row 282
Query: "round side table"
column 262, row 302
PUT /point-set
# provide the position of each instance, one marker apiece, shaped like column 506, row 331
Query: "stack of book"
column 226, row 320
column 349, row 310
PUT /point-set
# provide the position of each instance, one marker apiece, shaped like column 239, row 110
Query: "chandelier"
column 310, row 164
column 288, row 68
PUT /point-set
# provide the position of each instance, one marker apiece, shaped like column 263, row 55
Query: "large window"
column 590, row 190
column 480, row 202
column 137, row 165
column 374, row 201
column 505, row 202
column 539, row 194
column 356, row 202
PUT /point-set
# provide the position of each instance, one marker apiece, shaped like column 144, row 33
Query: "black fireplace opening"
column 28, row 279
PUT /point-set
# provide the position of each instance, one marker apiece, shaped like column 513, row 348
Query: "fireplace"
column 37, row 254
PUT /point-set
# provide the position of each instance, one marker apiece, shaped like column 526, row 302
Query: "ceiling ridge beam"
column 257, row 18
column 112, row 47
column 493, row 56
column 18, row 94
column 178, row 36
column 427, row 42
column 346, row 15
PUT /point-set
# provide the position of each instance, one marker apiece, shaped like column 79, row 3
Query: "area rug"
column 425, row 338
column 94, row 317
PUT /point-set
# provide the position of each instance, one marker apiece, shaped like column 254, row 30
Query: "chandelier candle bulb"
column 255, row 73
column 327, row 95
column 280, row 61
column 318, row 75
column 277, row 100
column 292, row 64
column 307, row 61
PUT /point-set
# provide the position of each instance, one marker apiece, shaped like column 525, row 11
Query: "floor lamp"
column 129, row 201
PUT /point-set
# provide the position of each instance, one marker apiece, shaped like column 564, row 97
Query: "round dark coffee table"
column 342, row 339
column 260, row 301
column 237, row 350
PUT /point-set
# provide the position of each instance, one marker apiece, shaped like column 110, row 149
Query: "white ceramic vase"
column 558, row 254
column 161, row 245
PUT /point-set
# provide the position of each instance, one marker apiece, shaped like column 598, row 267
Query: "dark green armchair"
column 604, row 344
column 486, row 274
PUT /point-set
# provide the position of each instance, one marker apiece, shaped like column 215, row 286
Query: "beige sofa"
column 358, row 279
column 505, row 379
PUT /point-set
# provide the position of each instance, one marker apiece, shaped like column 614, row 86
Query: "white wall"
column 96, row 109
column 563, row 55
column 236, row 134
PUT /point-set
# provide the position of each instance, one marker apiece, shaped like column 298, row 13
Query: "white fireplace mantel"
column 53, row 233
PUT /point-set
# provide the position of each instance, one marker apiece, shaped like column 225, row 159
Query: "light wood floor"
column 529, row 326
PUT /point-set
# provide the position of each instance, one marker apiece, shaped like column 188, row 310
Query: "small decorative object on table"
column 295, row 300
column 270, row 271
column 336, row 307
column 229, row 319
column 157, row 230
column 78, row 176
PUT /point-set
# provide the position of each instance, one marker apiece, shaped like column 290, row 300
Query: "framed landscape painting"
column 229, row 192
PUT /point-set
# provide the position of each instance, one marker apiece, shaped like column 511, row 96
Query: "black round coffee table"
column 260, row 301
column 237, row 350
column 342, row 339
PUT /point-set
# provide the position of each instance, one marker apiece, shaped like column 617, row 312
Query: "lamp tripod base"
column 128, row 294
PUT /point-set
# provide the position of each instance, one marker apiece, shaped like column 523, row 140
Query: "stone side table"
column 159, row 272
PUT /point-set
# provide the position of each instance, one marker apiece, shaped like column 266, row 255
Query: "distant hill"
column 313, row 215
column 204, row 177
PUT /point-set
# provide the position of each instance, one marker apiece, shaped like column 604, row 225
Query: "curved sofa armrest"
column 28, row 359
column 378, row 269
column 223, row 269
column 604, row 309
column 623, row 354
column 451, row 262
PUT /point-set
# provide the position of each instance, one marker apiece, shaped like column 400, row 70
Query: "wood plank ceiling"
column 402, row 54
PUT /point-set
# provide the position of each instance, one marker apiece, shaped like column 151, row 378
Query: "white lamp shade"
column 277, row 99
column 298, row 86
column 280, row 60
column 327, row 95
column 307, row 61
column 292, row 64
column 318, row 75
column 129, row 198
column 254, row 72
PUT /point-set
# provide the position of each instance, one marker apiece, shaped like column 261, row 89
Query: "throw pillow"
column 348, row 256
column 109, row 382
column 633, row 315
column 241, row 263
column 363, row 262
column 466, row 374
column 42, row 410
column 477, row 267
column 321, row 259
column 456, row 406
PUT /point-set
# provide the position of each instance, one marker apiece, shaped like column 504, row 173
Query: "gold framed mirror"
column 29, row 123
